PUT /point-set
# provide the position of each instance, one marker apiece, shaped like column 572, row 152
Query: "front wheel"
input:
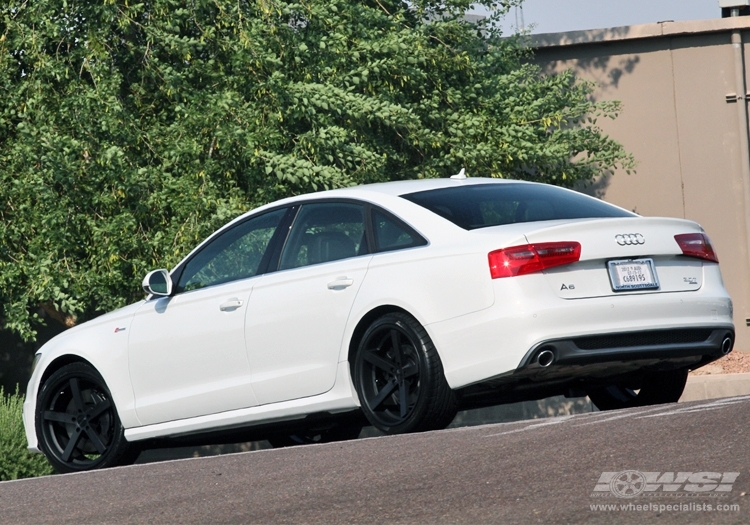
column 399, row 378
column 656, row 388
column 77, row 423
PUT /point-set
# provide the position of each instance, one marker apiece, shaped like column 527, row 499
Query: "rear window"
column 484, row 205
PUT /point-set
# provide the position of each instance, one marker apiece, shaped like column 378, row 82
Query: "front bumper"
column 29, row 424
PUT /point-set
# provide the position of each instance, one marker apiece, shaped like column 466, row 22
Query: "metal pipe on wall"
column 741, row 87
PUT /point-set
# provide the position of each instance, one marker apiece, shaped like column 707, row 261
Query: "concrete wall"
column 673, row 79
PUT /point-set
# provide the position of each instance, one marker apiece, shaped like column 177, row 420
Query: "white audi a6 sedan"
column 391, row 304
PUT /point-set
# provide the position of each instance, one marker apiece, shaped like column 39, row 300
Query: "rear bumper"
column 568, row 369
column 708, row 342
column 527, row 314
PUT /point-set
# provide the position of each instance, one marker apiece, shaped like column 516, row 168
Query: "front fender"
column 103, row 343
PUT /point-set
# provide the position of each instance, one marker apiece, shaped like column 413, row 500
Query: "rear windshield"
column 483, row 205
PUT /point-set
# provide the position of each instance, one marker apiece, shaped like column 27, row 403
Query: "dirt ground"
column 735, row 363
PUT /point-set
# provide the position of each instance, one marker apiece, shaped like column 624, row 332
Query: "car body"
column 404, row 301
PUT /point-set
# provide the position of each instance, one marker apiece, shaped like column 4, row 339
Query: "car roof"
column 370, row 192
column 380, row 193
column 403, row 187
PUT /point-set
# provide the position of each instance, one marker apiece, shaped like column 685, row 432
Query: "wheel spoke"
column 99, row 409
column 60, row 417
column 74, row 439
column 402, row 397
column 410, row 370
column 75, row 389
column 374, row 359
column 95, row 440
column 396, row 343
column 387, row 389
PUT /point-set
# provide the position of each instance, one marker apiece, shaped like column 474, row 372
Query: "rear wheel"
column 399, row 378
column 77, row 423
column 656, row 388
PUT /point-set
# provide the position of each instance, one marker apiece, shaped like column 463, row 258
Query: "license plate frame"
column 633, row 275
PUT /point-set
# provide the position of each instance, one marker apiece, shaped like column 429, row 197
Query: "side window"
column 235, row 254
column 324, row 232
column 392, row 234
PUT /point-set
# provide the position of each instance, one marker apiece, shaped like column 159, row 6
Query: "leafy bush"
column 131, row 130
column 16, row 461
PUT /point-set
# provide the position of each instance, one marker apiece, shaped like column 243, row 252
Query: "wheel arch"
column 60, row 362
column 115, row 377
column 365, row 322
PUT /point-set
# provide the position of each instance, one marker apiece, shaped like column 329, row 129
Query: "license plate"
column 634, row 274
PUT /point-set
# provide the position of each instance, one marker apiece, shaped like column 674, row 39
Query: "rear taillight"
column 696, row 245
column 530, row 258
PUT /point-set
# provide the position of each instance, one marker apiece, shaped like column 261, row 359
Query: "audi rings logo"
column 629, row 239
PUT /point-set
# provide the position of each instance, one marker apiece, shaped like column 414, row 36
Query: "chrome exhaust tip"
column 726, row 345
column 545, row 358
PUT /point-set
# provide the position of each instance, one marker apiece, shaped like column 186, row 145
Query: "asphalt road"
column 537, row 471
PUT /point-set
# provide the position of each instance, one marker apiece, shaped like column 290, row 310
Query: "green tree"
column 129, row 130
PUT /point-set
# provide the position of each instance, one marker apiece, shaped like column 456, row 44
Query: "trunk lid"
column 621, row 240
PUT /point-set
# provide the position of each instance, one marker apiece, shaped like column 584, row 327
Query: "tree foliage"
column 129, row 130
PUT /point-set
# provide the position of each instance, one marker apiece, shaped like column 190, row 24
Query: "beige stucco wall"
column 673, row 79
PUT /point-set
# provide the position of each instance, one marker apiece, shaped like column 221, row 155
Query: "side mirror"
column 158, row 282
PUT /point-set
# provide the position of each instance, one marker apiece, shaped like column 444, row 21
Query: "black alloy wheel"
column 77, row 423
column 399, row 378
column 656, row 388
column 310, row 437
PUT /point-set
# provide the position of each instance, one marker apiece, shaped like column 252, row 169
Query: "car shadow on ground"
column 543, row 408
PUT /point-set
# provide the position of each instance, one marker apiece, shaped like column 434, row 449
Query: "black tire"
column 328, row 435
column 656, row 388
column 399, row 378
column 77, row 423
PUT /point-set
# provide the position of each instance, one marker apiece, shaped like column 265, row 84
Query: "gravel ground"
column 735, row 363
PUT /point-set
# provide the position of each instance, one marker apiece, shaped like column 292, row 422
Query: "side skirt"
column 341, row 398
